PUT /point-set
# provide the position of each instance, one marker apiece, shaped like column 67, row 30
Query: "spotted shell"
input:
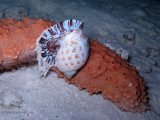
column 63, row 45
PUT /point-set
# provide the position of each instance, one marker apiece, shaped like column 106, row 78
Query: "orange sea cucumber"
column 105, row 71
column 108, row 73
column 18, row 38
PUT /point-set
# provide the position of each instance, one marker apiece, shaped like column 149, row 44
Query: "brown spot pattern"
column 76, row 56
column 70, row 58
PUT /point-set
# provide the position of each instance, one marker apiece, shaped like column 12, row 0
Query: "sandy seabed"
column 130, row 27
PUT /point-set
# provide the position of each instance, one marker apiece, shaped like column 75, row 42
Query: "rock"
column 129, row 37
column 10, row 100
column 16, row 13
column 124, row 53
column 110, row 46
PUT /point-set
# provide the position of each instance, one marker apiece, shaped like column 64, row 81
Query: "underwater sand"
column 132, row 26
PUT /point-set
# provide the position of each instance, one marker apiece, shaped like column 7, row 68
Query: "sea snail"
column 63, row 45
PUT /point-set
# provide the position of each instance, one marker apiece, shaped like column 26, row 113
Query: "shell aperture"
column 63, row 45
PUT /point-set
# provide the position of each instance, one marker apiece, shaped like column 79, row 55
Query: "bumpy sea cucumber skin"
column 107, row 72
column 18, row 38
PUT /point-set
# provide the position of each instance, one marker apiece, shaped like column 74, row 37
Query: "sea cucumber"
column 108, row 73
column 18, row 40
column 104, row 71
